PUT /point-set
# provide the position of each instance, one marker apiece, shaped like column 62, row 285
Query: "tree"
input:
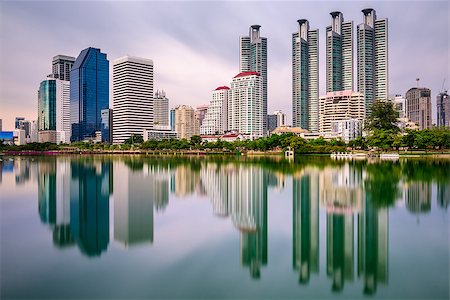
column 382, row 116
column 134, row 139
column 196, row 140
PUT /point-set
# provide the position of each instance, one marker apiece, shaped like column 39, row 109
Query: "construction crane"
column 442, row 88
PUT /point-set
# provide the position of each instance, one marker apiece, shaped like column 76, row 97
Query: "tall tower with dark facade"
column 89, row 93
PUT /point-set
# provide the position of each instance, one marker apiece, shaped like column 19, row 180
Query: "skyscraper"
column 339, row 54
column 443, row 109
column 185, row 122
column 89, row 93
column 17, row 122
column 245, row 107
column 305, row 77
column 372, row 44
column 160, row 109
column 216, row 117
column 253, row 58
column 61, row 66
column 54, row 111
column 107, row 125
column 418, row 107
column 132, row 97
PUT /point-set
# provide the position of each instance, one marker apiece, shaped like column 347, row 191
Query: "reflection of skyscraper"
column 186, row 180
column 418, row 197
column 305, row 226
column 47, row 191
column 372, row 245
column 340, row 256
column 133, row 206
column 248, row 205
column 89, row 205
column 443, row 195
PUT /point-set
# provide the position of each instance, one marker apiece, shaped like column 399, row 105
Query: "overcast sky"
column 195, row 45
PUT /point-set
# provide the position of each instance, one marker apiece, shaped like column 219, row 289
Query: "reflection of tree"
column 381, row 184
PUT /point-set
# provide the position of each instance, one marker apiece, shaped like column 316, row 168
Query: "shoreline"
column 363, row 154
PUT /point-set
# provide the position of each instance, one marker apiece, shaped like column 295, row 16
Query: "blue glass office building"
column 89, row 93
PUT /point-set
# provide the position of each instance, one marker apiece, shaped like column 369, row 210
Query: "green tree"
column 382, row 117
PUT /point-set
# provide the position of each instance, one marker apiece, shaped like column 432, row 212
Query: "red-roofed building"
column 222, row 88
column 243, row 74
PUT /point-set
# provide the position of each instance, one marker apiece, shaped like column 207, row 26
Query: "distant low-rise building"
column 159, row 132
column 186, row 125
column 276, row 120
column 288, row 129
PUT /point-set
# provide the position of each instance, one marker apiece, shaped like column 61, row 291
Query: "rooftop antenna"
column 417, row 80
column 442, row 88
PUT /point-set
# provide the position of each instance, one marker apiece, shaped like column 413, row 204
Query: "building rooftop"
column 222, row 88
column 242, row 74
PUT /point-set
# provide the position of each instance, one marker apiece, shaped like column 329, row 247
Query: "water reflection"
column 74, row 196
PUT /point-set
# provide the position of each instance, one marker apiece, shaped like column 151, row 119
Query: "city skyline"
column 215, row 56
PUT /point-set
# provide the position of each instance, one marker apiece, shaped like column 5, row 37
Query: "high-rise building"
column 253, row 58
column 1, row 125
column 200, row 113
column 372, row 44
column 305, row 77
column 54, row 111
column 89, row 93
column 132, row 97
column 348, row 129
column 399, row 103
column 443, row 109
column 172, row 119
column 186, row 125
column 341, row 105
column 276, row 120
column 17, row 122
column 25, row 125
column 160, row 109
column 61, row 66
column 339, row 54
column 216, row 117
column 107, row 125
column 245, row 106
column 419, row 107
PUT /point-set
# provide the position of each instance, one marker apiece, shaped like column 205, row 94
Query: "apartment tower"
column 339, row 54
column 132, row 97
column 305, row 77
column 253, row 58
column 372, row 57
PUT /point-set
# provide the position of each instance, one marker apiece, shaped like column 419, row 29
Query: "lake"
column 223, row 227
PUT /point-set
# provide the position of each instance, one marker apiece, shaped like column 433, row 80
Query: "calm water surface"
column 133, row 227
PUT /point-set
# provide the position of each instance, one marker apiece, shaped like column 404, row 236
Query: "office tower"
column 253, row 58
column 17, row 122
column 276, row 120
column 305, row 217
column 339, row 54
column 61, row 66
column 25, row 125
column 89, row 93
column 34, row 138
column 373, row 242
column 245, row 106
column 342, row 105
column 418, row 108
column 160, row 109
column 443, row 109
column 399, row 103
column 305, row 77
column 172, row 119
column 372, row 57
column 107, row 125
column 216, row 117
column 186, row 124
column 1, row 125
column 54, row 111
column 133, row 205
column 132, row 97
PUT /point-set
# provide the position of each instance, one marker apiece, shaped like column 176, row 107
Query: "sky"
column 195, row 45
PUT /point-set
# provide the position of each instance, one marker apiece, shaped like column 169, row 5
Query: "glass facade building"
column 47, row 105
column 89, row 93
